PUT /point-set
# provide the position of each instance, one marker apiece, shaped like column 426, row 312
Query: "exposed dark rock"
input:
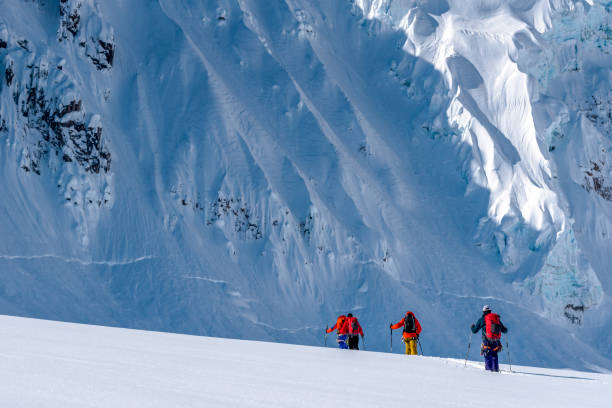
column 103, row 55
column 596, row 181
column 3, row 44
column 9, row 74
column 99, row 46
column 598, row 110
column 63, row 128
column 73, row 106
column 574, row 313
column 109, row 51
column 239, row 212
column 305, row 227
column 70, row 18
column 24, row 44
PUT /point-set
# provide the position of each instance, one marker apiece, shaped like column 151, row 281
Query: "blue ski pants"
column 490, row 348
column 342, row 341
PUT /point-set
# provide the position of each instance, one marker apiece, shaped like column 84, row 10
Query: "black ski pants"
column 353, row 342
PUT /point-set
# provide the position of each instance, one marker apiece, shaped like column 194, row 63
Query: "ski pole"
column 391, row 336
column 508, row 351
column 468, row 351
column 419, row 343
column 325, row 341
column 363, row 339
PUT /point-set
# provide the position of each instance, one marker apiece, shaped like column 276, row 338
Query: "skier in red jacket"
column 342, row 329
column 353, row 328
column 412, row 329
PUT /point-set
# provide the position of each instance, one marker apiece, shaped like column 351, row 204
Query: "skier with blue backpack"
column 342, row 330
column 492, row 328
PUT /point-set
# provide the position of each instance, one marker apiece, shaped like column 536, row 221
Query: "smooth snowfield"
column 54, row 364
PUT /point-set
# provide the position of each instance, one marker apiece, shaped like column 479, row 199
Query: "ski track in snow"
column 440, row 293
column 288, row 330
column 216, row 281
column 79, row 261
column 445, row 293
column 483, row 298
column 259, row 323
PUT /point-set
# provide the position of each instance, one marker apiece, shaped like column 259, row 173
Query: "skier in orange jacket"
column 342, row 329
column 412, row 329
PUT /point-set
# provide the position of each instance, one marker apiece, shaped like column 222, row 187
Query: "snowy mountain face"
column 252, row 169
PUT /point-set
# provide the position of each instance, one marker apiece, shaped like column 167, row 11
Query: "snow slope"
column 252, row 169
column 55, row 364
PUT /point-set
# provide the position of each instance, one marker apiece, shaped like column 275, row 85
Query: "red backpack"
column 492, row 326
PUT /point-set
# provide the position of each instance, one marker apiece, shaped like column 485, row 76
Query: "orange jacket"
column 340, row 326
column 401, row 324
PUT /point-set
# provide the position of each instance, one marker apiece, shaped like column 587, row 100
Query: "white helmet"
column 486, row 308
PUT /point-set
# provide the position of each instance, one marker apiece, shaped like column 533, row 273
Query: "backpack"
column 492, row 326
column 409, row 323
column 354, row 328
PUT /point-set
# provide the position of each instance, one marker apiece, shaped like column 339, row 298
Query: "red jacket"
column 401, row 324
column 352, row 326
column 340, row 325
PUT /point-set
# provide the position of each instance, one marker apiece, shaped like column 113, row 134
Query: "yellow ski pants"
column 411, row 346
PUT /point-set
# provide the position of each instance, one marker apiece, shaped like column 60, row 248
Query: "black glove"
column 472, row 327
column 391, row 325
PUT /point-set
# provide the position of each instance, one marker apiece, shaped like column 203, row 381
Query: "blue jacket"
column 481, row 325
